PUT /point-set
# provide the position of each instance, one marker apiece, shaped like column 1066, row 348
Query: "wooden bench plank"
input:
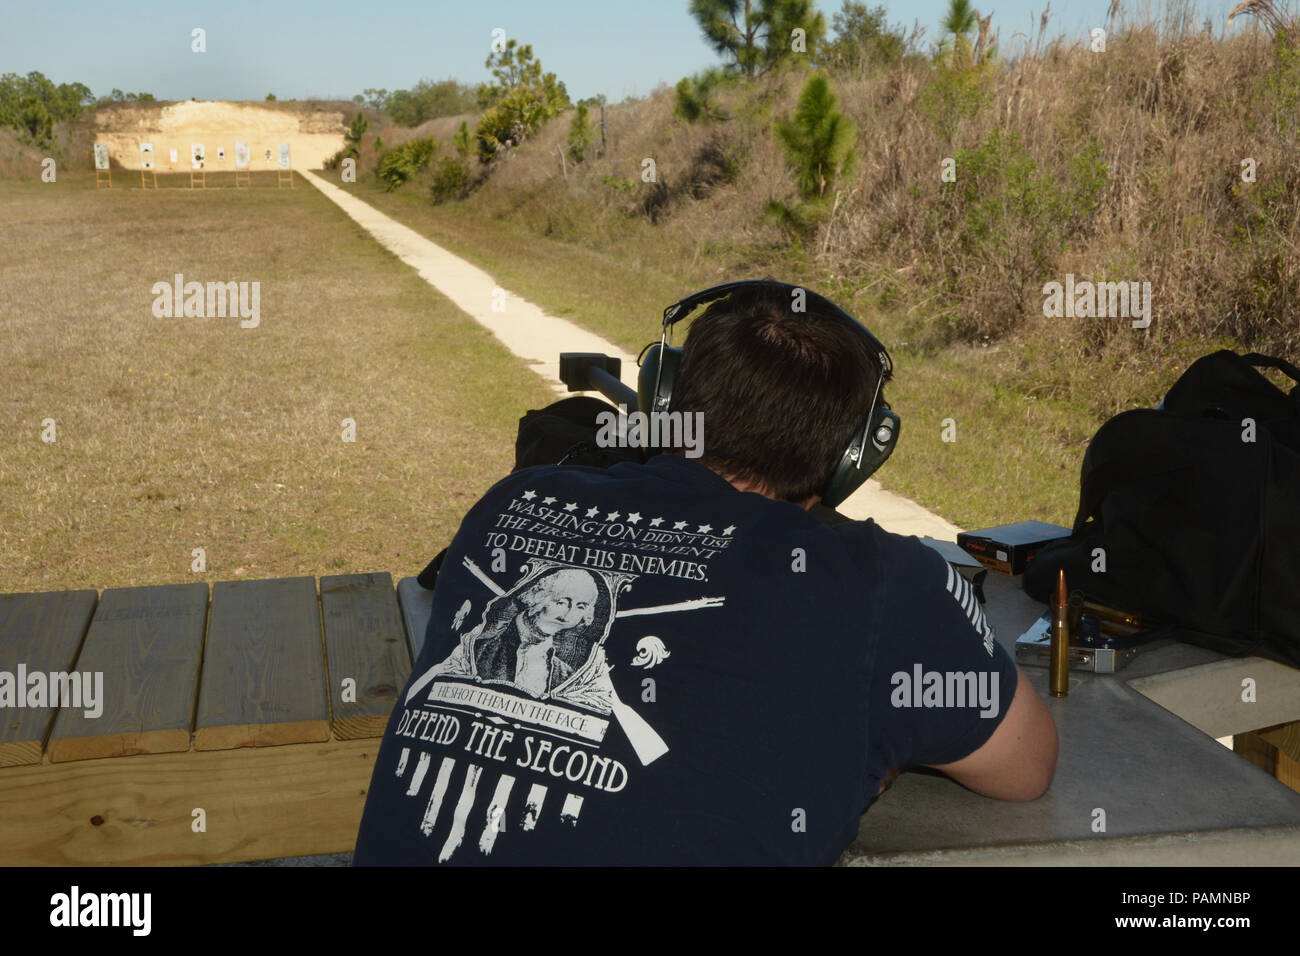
column 263, row 667
column 364, row 641
column 43, row 634
column 258, row 804
column 148, row 643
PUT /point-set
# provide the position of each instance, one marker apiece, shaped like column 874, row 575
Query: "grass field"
column 179, row 433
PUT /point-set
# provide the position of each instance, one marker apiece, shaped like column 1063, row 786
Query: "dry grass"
column 174, row 434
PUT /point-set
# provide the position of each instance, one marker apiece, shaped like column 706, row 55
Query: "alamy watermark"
column 55, row 689
column 181, row 299
column 684, row 430
column 1100, row 300
column 76, row 908
column 946, row 689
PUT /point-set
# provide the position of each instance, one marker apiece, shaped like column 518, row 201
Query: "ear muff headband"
column 684, row 307
column 870, row 446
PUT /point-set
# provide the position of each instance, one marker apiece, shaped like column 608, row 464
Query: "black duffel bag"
column 1189, row 514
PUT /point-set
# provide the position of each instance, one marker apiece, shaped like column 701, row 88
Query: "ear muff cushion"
column 658, row 365
column 848, row 476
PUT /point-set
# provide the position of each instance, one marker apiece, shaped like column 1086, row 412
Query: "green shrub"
column 694, row 101
column 426, row 100
column 400, row 163
column 863, row 39
column 521, row 98
column 1278, row 92
column 514, row 118
column 1000, row 190
column 1003, row 223
column 624, row 187
column 953, row 95
column 450, row 180
column 36, row 122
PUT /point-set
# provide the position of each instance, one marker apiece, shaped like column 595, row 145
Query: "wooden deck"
column 237, row 725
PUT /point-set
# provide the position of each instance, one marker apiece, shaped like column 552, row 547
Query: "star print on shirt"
column 529, row 495
column 678, row 526
column 612, row 516
column 705, row 528
column 571, row 506
column 656, row 522
column 728, row 529
column 592, row 512
column 634, row 517
column 549, row 499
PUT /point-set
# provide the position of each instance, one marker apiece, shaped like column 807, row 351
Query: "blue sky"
column 337, row 48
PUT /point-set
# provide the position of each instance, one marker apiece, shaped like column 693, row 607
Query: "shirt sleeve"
column 942, row 683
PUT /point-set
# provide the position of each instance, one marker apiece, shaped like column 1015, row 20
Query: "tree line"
column 32, row 104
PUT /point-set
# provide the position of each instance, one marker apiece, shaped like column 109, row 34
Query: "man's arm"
column 1018, row 761
column 933, row 622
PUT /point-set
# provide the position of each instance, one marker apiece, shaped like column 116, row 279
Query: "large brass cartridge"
column 1059, row 667
column 1101, row 612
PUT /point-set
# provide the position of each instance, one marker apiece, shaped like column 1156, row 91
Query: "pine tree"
column 960, row 20
column 581, row 133
column 818, row 140
column 355, row 131
column 463, row 140
column 518, row 102
column 756, row 34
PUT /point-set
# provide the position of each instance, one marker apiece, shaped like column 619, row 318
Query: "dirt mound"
column 314, row 131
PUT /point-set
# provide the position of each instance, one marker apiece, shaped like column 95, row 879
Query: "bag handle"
column 1282, row 365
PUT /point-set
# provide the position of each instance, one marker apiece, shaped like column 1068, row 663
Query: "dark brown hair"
column 782, row 392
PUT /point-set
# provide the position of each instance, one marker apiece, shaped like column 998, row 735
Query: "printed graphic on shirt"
column 527, row 686
column 964, row 594
column 544, row 637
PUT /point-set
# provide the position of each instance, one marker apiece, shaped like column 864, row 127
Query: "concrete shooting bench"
column 231, row 703
column 1138, row 745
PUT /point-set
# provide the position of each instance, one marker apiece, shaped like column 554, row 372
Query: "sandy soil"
column 312, row 132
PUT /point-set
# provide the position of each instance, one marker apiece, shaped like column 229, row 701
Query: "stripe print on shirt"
column 493, row 814
column 964, row 594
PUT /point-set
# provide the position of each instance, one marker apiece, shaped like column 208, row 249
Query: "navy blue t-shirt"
column 643, row 665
